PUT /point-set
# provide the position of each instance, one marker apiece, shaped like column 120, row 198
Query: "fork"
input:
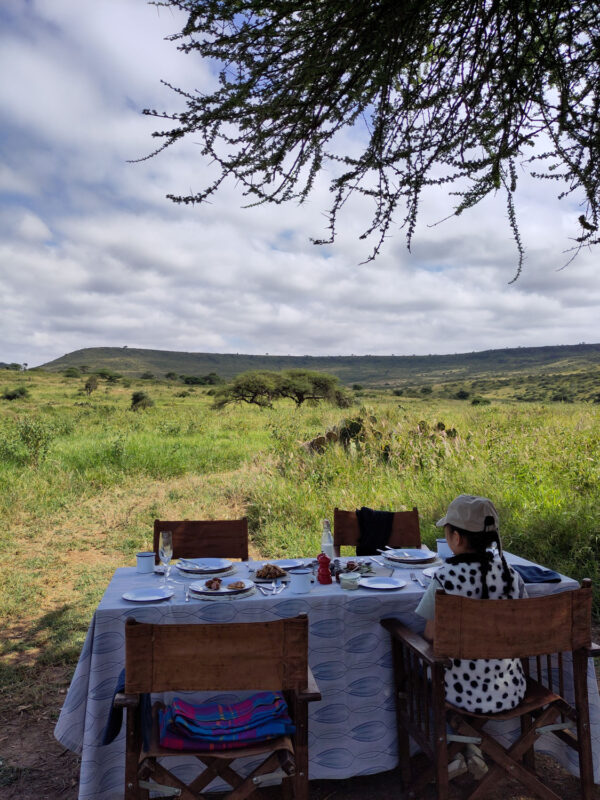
column 414, row 577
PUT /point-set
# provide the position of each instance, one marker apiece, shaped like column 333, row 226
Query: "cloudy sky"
column 92, row 254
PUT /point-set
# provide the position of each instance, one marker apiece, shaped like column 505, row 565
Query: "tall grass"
column 81, row 480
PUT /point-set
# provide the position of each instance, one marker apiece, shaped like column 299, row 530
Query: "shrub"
column 91, row 384
column 462, row 394
column 15, row 394
column 147, row 376
column 480, row 401
column 71, row 372
column 36, row 436
column 140, row 400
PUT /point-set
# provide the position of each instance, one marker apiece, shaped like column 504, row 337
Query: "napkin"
column 533, row 574
column 220, row 726
column 375, row 530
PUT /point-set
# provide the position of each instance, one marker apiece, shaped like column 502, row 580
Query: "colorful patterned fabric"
column 216, row 726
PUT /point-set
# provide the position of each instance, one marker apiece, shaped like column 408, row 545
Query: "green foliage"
column 91, row 384
column 15, row 394
column 462, row 394
column 13, row 366
column 301, row 386
column 212, row 379
column 36, row 435
column 140, row 400
column 437, row 93
column 147, row 376
column 72, row 372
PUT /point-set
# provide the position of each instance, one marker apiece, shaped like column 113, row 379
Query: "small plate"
column 384, row 584
column 198, row 587
column 429, row 572
column 201, row 565
column 289, row 563
column 148, row 595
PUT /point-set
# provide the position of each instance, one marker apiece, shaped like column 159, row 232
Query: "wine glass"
column 165, row 552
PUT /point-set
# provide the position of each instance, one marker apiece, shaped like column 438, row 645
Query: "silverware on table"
column 187, row 594
column 377, row 561
column 418, row 579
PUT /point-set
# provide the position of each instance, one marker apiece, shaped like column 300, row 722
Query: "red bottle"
column 324, row 573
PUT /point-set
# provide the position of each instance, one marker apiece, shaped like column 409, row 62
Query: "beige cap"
column 467, row 511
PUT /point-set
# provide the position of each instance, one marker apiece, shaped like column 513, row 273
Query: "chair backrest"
column 226, row 538
column 533, row 626
column 405, row 529
column 216, row 657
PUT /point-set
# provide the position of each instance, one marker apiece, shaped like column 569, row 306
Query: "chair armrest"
column 312, row 690
column 126, row 700
column 593, row 650
column 413, row 640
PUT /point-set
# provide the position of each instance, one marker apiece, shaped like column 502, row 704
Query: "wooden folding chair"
column 405, row 529
column 253, row 656
column 543, row 632
column 221, row 538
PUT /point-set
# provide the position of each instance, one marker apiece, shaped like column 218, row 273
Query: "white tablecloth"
column 352, row 729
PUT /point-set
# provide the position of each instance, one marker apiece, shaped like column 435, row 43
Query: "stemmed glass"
column 165, row 552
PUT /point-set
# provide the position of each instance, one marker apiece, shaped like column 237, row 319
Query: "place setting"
column 410, row 558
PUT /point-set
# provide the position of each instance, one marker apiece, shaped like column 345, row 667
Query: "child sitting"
column 471, row 528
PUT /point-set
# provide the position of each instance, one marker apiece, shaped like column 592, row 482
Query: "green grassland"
column 82, row 478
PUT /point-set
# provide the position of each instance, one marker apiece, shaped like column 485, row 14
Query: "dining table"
column 352, row 730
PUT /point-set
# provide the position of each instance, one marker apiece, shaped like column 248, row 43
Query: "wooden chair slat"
column 220, row 538
column 405, row 529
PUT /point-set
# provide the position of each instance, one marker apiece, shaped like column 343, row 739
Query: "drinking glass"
column 165, row 552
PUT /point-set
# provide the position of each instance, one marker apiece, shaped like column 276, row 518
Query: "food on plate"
column 270, row 571
column 236, row 585
column 213, row 583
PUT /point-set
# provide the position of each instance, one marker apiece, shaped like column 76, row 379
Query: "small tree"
column 91, row 385
column 147, row 376
column 301, row 385
column 140, row 400
column 72, row 372
column 258, row 387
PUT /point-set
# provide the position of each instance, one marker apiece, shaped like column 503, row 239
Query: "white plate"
column 429, row 572
column 288, row 563
column 148, row 595
column 437, row 562
column 198, row 587
column 200, row 565
column 410, row 555
column 385, row 584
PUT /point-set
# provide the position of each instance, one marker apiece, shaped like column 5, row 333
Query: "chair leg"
column 401, row 709
column 440, row 744
column 133, row 745
column 510, row 760
column 584, row 744
column 300, row 778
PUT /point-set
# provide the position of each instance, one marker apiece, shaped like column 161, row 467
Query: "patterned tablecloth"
column 352, row 729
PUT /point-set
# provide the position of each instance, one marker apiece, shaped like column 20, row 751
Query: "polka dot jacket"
column 485, row 685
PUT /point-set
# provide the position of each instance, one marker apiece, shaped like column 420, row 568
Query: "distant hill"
column 372, row 371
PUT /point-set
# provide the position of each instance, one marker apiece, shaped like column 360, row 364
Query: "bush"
column 71, row 372
column 480, row 401
column 147, row 376
column 15, row 394
column 140, row 400
column 462, row 394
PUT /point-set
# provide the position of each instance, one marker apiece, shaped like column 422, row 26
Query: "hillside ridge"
column 372, row 370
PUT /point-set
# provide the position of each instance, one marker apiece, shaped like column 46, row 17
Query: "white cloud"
column 93, row 254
